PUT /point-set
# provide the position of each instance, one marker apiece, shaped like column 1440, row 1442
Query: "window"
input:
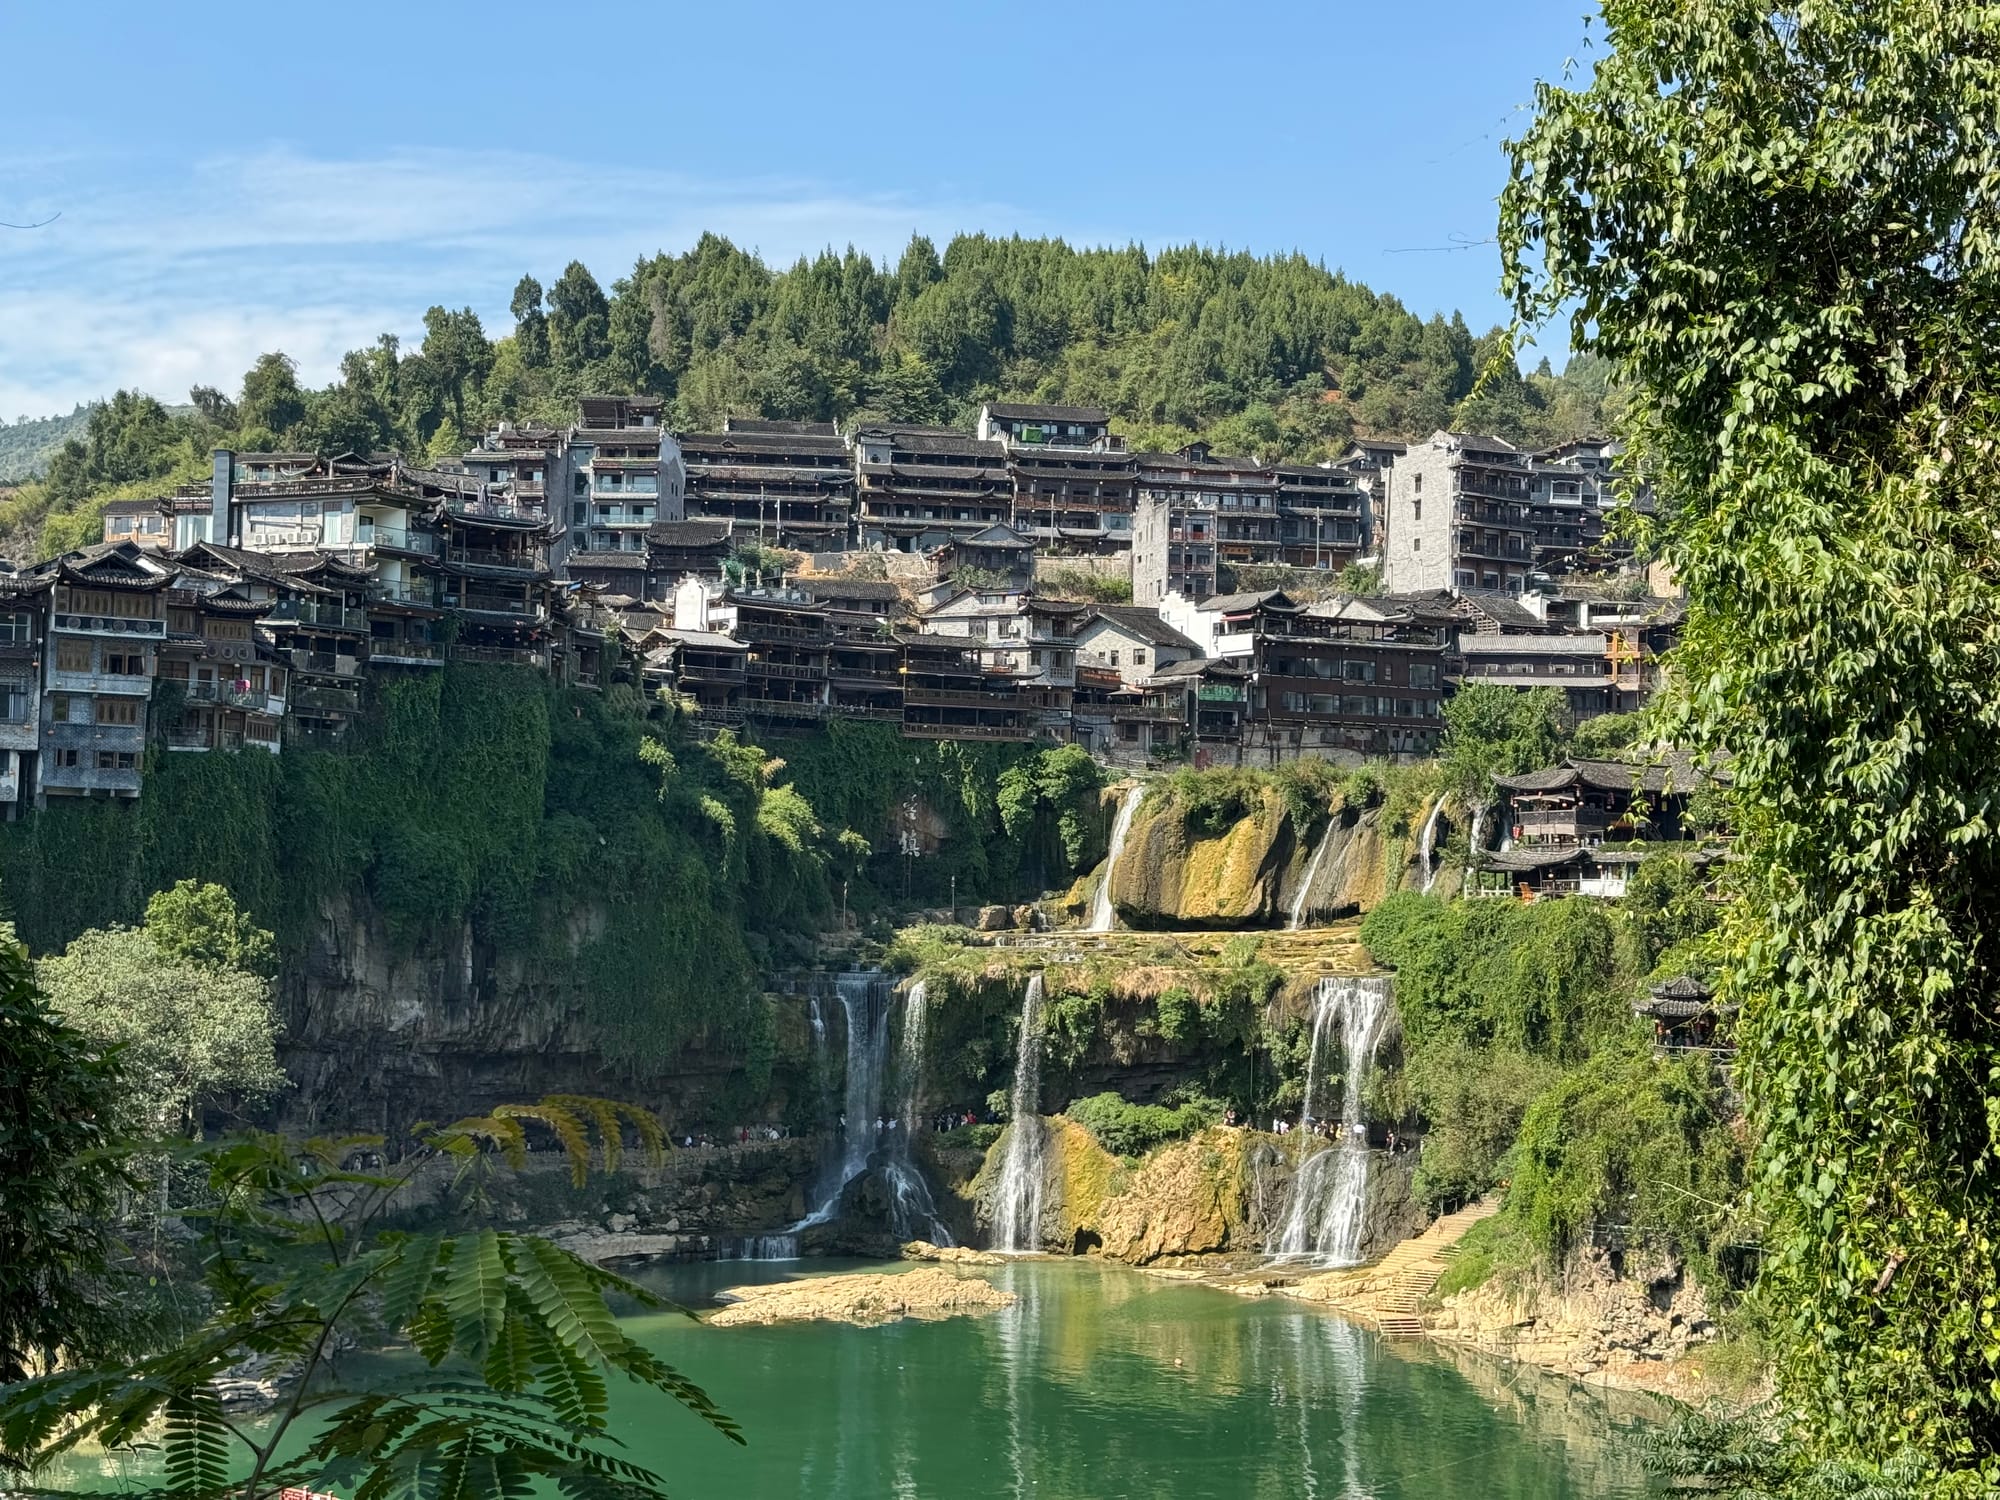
column 1423, row 675
column 1419, row 479
column 115, row 710
column 1138, row 657
column 17, row 630
column 126, row 663
column 117, row 760
column 1416, row 544
column 1114, row 658
column 68, row 758
column 72, row 655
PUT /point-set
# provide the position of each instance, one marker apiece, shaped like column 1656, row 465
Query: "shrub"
column 1127, row 1129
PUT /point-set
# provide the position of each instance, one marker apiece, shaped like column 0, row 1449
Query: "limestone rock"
column 962, row 1255
column 863, row 1298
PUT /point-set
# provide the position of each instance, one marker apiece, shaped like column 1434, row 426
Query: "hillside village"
column 784, row 574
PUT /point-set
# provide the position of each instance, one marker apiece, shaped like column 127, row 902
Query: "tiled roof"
column 1146, row 624
column 688, row 533
column 1027, row 411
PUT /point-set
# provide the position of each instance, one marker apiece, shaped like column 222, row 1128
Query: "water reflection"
column 1075, row 1392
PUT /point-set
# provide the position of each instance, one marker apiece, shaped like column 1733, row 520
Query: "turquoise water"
column 1075, row 1392
column 1101, row 1383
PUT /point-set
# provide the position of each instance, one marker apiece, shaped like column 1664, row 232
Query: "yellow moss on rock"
column 1221, row 881
column 1191, row 1198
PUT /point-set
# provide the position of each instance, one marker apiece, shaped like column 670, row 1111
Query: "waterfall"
column 1479, row 811
column 759, row 1247
column 1298, row 916
column 1425, row 841
column 1017, row 1204
column 1104, row 916
column 1324, row 1216
column 914, row 1214
column 865, row 998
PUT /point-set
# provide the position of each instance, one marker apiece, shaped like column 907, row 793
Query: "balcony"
column 789, row 671
column 321, row 614
column 916, row 729
column 421, row 594
column 229, row 696
column 325, row 663
column 507, row 511
column 405, row 653
column 130, row 684
column 389, row 539
column 780, row 708
column 496, row 606
column 109, row 625
column 501, row 656
column 511, row 560
column 954, row 698
column 326, row 700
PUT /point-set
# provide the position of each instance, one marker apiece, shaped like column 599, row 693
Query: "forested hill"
column 27, row 446
column 1274, row 356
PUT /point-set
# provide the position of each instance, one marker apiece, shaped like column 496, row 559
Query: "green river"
column 1103, row 1383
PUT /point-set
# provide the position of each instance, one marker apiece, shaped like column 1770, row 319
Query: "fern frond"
column 475, row 1292
column 194, row 1443
column 567, row 1128
column 409, row 1280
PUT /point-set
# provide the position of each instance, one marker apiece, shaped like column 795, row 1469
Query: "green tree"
column 531, row 324
column 295, row 1266
column 188, row 1034
column 1497, row 731
column 59, row 1182
column 455, row 347
column 1777, row 222
column 579, row 318
column 271, row 398
column 201, row 924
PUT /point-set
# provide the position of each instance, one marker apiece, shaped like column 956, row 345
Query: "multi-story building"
column 1073, row 480
column 1028, row 640
column 1196, row 513
column 106, row 625
column 23, row 623
column 788, row 484
column 1578, row 664
column 1459, row 517
column 226, row 685
column 625, row 473
column 141, row 521
column 1130, row 641
column 492, row 569
column 1322, row 516
column 997, row 556
column 532, row 467
column 918, row 487
column 1368, row 461
column 684, row 549
column 950, row 694
column 785, row 671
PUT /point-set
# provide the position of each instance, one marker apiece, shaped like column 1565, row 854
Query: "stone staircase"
column 1415, row 1267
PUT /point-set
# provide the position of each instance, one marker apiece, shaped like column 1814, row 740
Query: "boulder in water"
column 963, row 1255
column 865, row 1298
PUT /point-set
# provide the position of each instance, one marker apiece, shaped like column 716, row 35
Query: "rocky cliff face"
column 1218, row 1193
column 1619, row 1319
column 1169, row 877
column 378, row 1034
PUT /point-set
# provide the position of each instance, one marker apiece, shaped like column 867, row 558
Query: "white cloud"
column 172, row 279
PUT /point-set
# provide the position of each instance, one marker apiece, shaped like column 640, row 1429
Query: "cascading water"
column 1426, row 842
column 865, row 997
column 1479, row 811
column 1103, row 915
column 1017, row 1203
column 1325, row 1214
column 759, row 1247
column 914, row 1212
column 1297, row 919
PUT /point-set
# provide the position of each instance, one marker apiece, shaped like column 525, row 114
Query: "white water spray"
column 1425, row 843
column 1479, row 811
column 1326, row 1213
column 1103, row 915
column 865, row 998
column 1297, row 919
column 1017, row 1202
column 915, row 1209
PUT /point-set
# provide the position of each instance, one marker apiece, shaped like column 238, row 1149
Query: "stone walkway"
column 1391, row 1292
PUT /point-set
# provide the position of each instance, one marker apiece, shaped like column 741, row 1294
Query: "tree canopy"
column 1779, row 224
column 1272, row 355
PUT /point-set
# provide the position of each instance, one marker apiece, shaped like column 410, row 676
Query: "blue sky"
column 232, row 178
